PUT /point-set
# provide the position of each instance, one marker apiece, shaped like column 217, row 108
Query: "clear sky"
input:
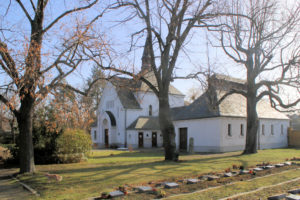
column 194, row 56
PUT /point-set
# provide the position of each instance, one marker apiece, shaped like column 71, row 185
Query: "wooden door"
column 154, row 139
column 141, row 139
column 183, row 139
column 106, row 138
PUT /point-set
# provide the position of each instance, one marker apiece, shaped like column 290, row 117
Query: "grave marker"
column 212, row 177
column 192, row 181
column 171, row 185
column 295, row 191
column 144, row 189
column 293, row 197
column 277, row 197
column 116, row 193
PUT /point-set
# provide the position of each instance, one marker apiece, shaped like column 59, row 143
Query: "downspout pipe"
column 125, row 131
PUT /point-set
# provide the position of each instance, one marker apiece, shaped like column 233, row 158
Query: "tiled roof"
column 145, row 123
column 232, row 106
column 126, row 87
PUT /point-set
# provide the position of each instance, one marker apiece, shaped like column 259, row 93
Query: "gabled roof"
column 234, row 105
column 126, row 87
column 145, row 123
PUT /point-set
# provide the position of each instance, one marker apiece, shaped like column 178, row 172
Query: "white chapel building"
column 128, row 116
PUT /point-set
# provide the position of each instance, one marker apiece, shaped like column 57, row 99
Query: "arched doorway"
column 105, row 133
column 109, row 130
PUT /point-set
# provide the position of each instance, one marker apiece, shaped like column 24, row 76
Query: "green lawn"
column 104, row 171
column 246, row 186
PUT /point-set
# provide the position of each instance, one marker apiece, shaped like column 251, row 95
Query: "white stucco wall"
column 93, row 131
column 237, row 142
column 110, row 102
column 211, row 134
column 133, row 140
column 278, row 139
column 205, row 132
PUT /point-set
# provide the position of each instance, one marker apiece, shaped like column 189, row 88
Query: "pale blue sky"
column 194, row 56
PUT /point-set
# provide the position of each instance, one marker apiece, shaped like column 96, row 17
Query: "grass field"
column 106, row 170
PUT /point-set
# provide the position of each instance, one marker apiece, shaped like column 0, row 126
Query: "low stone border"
column 258, row 189
column 26, row 187
column 210, row 188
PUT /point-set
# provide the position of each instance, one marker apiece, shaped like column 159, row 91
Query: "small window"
column 95, row 135
column 229, row 130
column 150, row 110
column 242, row 129
column 272, row 129
column 281, row 129
column 263, row 129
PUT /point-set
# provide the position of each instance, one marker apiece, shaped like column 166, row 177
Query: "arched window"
column 150, row 110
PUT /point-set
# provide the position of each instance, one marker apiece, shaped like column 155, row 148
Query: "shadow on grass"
column 130, row 154
column 134, row 166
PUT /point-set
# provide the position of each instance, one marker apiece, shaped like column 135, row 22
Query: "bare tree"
column 262, row 40
column 167, row 26
column 36, row 53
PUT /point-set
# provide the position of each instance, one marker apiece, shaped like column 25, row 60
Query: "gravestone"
column 171, row 185
column 191, row 146
column 116, row 193
column 287, row 163
column 294, row 191
column 293, row 197
column 212, row 177
column 204, row 177
column 192, row 181
column 244, row 172
column 144, row 189
column 279, row 165
column 277, row 197
column 229, row 174
column 270, row 167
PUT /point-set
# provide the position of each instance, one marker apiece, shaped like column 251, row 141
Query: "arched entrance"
column 109, row 130
column 106, row 134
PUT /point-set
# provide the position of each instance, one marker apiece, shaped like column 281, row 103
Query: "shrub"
column 72, row 145
column 14, row 152
column 44, row 144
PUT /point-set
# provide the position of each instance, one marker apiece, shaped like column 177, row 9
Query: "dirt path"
column 10, row 189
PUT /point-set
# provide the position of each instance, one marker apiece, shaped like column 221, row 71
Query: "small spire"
column 146, row 59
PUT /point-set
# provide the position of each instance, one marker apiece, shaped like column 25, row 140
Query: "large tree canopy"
column 263, row 39
column 166, row 26
column 41, row 43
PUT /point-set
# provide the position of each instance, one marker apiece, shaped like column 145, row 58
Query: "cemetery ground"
column 106, row 170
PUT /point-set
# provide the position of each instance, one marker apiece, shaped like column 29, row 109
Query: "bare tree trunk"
column 24, row 119
column 167, row 128
column 12, row 122
column 252, row 124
